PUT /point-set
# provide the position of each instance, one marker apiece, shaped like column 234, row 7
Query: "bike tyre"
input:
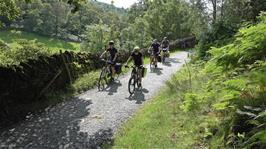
column 102, row 80
column 131, row 86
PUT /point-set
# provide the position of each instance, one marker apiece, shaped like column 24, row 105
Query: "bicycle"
column 153, row 61
column 135, row 79
column 106, row 74
column 165, row 54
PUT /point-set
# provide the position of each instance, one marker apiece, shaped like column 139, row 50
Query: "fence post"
column 49, row 84
column 67, row 68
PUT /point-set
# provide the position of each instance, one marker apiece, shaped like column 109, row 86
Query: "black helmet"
column 111, row 42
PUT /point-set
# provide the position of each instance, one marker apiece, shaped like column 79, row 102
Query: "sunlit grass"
column 10, row 37
column 162, row 122
column 86, row 81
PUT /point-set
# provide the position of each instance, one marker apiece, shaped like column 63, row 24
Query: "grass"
column 86, row 81
column 162, row 123
column 54, row 44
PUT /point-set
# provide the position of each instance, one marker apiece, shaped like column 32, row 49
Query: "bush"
column 218, row 35
column 24, row 51
column 242, row 87
column 231, row 87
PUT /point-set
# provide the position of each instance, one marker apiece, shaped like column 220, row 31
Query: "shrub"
column 24, row 51
column 219, row 34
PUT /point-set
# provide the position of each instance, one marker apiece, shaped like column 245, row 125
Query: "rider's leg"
column 156, row 60
column 153, row 60
column 113, row 71
column 140, row 74
column 110, row 70
column 139, row 71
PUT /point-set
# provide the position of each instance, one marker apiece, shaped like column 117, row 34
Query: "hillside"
column 12, row 36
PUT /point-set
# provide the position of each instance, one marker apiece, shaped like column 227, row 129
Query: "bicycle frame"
column 106, row 70
column 134, row 80
column 153, row 58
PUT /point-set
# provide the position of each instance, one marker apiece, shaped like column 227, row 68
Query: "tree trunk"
column 214, row 13
column 222, row 8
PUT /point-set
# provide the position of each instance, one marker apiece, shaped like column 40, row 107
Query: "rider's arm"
column 159, row 49
column 103, row 54
column 115, row 56
column 142, row 60
column 149, row 50
column 129, row 59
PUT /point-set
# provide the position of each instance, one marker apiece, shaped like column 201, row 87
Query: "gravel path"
column 91, row 118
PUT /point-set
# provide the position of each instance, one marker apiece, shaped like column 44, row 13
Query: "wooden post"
column 49, row 84
column 66, row 66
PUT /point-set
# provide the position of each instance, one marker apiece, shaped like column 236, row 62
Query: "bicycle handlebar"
column 107, row 61
column 132, row 66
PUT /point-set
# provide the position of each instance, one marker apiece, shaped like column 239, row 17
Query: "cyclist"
column 155, row 51
column 165, row 46
column 165, row 43
column 137, row 57
column 113, row 52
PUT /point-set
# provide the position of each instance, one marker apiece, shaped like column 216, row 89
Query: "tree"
column 214, row 10
column 8, row 11
column 97, row 36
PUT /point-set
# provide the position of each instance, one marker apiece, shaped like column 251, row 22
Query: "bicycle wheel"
column 138, row 77
column 139, row 84
column 131, row 85
column 151, row 63
column 102, row 80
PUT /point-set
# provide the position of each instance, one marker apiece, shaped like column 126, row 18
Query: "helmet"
column 136, row 48
column 165, row 38
column 111, row 42
column 154, row 40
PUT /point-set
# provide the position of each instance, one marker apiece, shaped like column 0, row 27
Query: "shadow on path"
column 174, row 60
column 113, row 87
column 157, row 71
column 58, row 127
column 139, row 96
column 167, row 63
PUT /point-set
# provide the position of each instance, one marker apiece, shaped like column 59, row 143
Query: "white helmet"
column 136, row 48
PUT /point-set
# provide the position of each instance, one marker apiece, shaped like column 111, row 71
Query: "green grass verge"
column 163, row 123
column 86, row 81
column 54, row 44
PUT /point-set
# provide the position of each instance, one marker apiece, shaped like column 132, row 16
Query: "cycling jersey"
column 137, row 58
column 155, row 46
column 112, row 52
column 165, row 43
